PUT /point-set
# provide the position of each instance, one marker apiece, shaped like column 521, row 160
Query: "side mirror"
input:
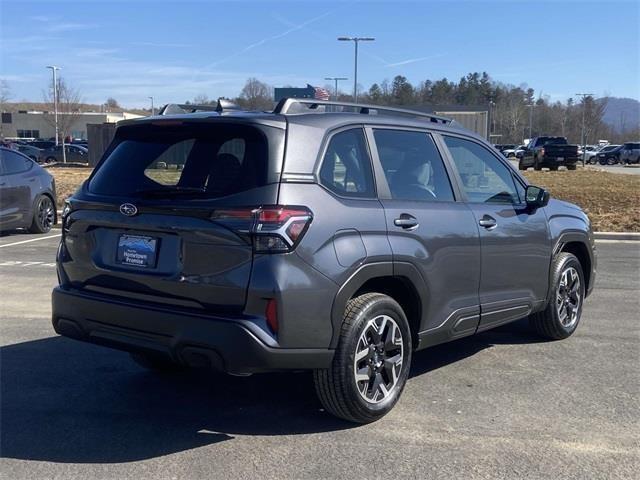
column 536, row 197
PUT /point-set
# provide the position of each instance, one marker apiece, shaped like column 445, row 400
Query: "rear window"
column 203, row 160
column 553, row 141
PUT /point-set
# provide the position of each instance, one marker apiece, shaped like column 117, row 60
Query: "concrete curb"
column 617, row 236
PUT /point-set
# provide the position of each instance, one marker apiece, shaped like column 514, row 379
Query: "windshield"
column 203, row 160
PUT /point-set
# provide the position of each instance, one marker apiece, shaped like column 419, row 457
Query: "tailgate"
column 180, row 260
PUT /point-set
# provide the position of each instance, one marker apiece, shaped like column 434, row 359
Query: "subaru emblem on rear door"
column 128, row 209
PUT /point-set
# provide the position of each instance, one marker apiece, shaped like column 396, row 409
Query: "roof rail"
column 182, row 108
column 285, row 106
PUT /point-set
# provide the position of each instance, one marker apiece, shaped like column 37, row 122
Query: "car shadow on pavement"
column 70, row 402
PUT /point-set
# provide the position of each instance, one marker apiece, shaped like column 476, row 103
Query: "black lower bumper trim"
column 193, row 340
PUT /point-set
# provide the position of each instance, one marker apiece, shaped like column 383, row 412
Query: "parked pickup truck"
column 549, row 152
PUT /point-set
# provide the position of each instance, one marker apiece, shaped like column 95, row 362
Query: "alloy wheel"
column 568, row 297
column 378, row 359
column 45, row 213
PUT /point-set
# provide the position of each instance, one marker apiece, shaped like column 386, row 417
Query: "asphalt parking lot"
column 503, row 404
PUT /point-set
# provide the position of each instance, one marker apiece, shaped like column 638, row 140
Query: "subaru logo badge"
column 128, row 209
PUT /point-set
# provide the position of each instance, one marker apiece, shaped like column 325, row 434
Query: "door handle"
column 488, row 222
column 406, row 221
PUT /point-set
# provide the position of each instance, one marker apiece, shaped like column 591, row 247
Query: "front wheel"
column 521, row 165
column 371, row 363
column 562, row 315
column 572, row 167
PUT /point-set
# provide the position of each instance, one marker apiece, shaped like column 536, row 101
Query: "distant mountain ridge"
column 622, row 113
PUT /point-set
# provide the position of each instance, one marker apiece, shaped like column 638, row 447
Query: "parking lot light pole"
column 336, row 80
column 582, row 133
column 355, row 40
column 55, row 99
column 531, row 105
column 153, row 112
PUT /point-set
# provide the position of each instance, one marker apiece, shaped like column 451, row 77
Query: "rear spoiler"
column 182, row 108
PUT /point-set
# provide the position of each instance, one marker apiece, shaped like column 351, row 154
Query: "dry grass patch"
column 68, row 180
column 611, row 200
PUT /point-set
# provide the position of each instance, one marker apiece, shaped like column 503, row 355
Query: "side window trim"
column 515, row 176
column 384, row 192
column 323, row 151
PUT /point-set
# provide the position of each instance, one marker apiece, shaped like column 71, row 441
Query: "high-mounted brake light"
column 274, row 229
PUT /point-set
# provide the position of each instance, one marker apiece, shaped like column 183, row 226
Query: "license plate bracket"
column 137, row 251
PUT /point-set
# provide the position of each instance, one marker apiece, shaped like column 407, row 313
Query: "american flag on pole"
column 321, row 93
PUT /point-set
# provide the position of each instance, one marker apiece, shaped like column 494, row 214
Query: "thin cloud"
column 270, row 38
column 162, row 45
column 67, row 27
column 414, row 60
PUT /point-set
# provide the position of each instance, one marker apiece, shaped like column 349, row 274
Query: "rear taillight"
column 273, row 229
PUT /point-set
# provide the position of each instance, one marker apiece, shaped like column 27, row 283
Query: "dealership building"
column 34, row 124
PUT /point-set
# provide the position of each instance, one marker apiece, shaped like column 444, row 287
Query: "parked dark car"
column 597, row 158
column 30, row 151
column 626, row 153
column 312, row 239
column 551, row 152
column 75, row 153
column 42, row 144
column 27, row 194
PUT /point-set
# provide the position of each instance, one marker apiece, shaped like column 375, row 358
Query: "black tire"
column 337, row 388
column 50, row 160
column 156, row 363
column 536, row 165
column 554, row 168
column 572, row 167
column 521, row 166
column 548, row 323
column 611, row 161
column 44, row 215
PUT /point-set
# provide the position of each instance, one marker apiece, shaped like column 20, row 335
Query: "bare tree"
column 201, row 99
column 5, row 95
column 112, row 103
column 256, row 95
column 69, row 103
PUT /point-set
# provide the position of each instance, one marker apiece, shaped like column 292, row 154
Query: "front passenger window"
column 485, row 179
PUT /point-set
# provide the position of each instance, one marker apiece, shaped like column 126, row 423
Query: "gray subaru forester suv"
column 331, row 237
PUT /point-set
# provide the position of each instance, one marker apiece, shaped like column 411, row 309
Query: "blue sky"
column 175, row 50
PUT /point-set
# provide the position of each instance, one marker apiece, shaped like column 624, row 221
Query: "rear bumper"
column 550, row 161
column 229, row 345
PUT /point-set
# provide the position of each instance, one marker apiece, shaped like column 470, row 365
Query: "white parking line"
column 29, row 241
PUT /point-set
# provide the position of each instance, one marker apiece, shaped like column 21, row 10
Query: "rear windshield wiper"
column 170, row 191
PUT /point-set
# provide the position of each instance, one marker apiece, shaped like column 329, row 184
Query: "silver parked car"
column 27, row 194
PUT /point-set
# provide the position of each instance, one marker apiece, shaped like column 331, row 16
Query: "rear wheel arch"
column 400, row 281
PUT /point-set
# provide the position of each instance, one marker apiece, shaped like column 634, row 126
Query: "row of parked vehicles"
column 624, row 154
column 553, row 152
column 47, row 152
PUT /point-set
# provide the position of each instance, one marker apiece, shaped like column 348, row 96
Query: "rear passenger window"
column 14, row 163
column 412, row 166
column 346, row 167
